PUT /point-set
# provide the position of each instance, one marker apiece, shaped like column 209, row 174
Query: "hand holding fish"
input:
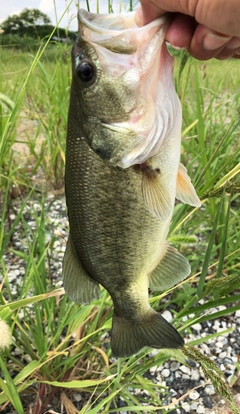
column 207, row 29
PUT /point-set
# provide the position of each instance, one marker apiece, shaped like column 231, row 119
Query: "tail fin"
column 128, row 337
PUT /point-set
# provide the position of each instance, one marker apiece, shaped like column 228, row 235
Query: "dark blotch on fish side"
column 103, row 153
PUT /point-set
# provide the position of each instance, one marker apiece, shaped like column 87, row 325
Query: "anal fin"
column 172, row 269
column 79, row 286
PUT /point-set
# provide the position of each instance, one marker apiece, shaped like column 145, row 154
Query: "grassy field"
column 59, row 343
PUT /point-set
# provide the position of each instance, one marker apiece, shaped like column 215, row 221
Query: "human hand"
column 206, row 28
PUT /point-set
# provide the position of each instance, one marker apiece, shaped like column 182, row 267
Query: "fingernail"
column 213, row 41
column 234, row 43
column 177, row 47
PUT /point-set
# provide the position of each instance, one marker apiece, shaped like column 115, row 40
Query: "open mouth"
column 118, row 32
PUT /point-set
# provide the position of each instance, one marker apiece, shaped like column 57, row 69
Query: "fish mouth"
column 107, row 24
column 106, row 21
column 118, row 32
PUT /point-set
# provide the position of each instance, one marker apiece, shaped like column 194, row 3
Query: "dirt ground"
column 224, row 408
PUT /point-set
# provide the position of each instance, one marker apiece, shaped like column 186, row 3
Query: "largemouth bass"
column 123, row 173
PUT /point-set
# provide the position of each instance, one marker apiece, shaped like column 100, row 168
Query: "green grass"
column 60, row 344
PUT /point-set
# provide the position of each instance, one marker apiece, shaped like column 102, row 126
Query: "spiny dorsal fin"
column 172, row 269
column 185, row 190
column 155, row 195
column 79, row 286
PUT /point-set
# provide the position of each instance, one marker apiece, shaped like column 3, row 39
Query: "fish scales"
column 108, row 207
column 122, row 175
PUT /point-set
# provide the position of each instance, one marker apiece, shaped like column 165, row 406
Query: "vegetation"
column 61, row 346
column 27, row 29
column 18, row 23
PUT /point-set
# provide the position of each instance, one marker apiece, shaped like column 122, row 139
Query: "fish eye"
column 85, row 71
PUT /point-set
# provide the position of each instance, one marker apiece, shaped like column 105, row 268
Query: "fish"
column 122, row 176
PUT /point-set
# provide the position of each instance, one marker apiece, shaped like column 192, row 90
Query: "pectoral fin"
column 79, row 286
column 185, row 190
column 172, row 269
column 155, row 195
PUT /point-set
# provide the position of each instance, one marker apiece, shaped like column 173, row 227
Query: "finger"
column 227, row 53
column 180, row 31
column 144, row 16
column 237, row 54
column 219, row 15
column 207, row 44
column 232, row 49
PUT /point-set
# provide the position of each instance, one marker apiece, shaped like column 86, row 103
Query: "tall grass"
column 61, row 346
